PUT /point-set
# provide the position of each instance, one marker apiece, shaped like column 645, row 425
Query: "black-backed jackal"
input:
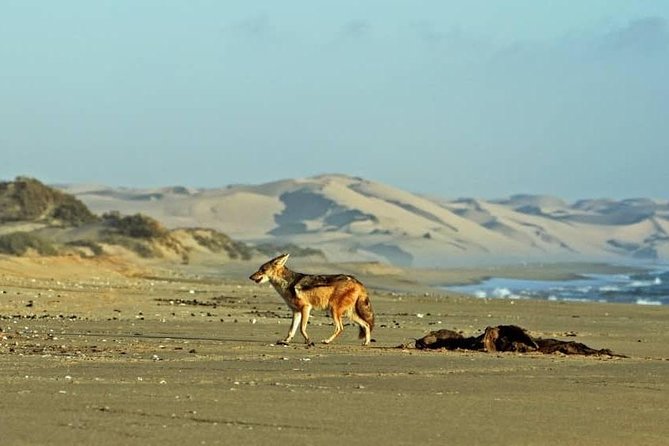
column 341, row 294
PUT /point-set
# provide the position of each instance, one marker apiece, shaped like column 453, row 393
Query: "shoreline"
column 418, row 280
column 560, row 271
column 606, row 285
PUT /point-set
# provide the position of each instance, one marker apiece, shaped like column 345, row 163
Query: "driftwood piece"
column 505, row 338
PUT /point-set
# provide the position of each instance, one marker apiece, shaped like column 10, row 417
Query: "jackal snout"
column 259, row 277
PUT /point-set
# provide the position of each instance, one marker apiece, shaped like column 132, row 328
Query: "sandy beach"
column 106, row 352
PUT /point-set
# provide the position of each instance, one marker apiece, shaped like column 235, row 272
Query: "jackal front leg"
column 303, row 326
column 297, row 316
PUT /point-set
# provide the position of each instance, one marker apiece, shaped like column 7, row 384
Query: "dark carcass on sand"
column 505, row 338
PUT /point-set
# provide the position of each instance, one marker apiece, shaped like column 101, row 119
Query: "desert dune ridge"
column 353, row 219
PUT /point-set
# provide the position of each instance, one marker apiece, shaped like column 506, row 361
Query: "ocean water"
column 648, row 288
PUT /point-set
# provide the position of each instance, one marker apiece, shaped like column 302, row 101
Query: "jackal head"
column 269, row 269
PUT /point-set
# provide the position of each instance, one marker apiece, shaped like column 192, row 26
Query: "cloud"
column 426, row 31
column 356, row 28
column 255, row 27
column 648, row 34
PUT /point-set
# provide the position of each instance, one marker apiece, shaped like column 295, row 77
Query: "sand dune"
column 355, row 219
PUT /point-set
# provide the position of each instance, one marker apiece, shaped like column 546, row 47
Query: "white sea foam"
column 576, row 299
column 609, row 277
column 644, row 290
column 643, row 283
column 501, row 292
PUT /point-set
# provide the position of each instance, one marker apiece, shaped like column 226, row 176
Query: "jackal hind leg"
column 364, row 325
column 338, row 324
column 297, row 316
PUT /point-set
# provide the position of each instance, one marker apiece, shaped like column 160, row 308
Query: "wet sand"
column 112, row 354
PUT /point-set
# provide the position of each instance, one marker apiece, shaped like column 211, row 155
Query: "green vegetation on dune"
column 218, row 242
column 19, row 243
column 139, row 233
column 138, row 246
column 27, row 199
column 136, row 226
column 95, row 248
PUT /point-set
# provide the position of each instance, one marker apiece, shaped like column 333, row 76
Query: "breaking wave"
column 649, row 288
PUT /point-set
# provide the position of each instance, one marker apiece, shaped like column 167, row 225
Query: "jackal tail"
column 363, row 308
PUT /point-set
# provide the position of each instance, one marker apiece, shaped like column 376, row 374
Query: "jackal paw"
column 282, row 342
column 325, row 341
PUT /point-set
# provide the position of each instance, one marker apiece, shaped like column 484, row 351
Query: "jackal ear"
column 281, row 260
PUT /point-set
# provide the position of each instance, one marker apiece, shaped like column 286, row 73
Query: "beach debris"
column 505, row 338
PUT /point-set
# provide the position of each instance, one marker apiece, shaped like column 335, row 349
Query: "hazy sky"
column 450, row 98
